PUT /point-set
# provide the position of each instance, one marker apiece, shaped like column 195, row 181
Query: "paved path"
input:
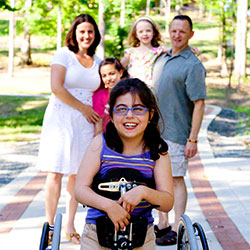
column 218, row 188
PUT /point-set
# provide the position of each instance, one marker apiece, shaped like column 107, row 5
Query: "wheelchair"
column 56, row 235
column 190, row 236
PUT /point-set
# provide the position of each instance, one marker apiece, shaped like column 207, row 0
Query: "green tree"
column 115, row 33
column 4, row 5
column 225, row 11
column 43, row 14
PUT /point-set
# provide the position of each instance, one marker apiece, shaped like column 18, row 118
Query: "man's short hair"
column 184, row 17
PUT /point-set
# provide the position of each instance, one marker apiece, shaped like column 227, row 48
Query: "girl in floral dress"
column 145, row 40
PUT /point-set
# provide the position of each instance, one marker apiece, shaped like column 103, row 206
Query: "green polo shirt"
column 178, row 81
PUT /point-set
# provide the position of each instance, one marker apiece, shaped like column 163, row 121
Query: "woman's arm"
column 57, row 87
column 163, row 196
column 89, row 167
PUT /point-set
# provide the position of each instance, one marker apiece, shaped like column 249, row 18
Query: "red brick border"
column 14, row 210
column 223, row 227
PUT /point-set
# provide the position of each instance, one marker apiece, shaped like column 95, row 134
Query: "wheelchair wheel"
column 200, row 232
column 44, row 237
column 186, row 239
column 57, row 233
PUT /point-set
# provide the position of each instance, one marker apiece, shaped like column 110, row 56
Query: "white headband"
column 144, row 18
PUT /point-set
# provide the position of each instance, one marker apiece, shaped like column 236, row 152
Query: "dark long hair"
column 70, row 40
column 152, row 137
column 112, row 61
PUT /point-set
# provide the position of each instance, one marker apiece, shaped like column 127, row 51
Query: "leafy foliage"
column 42, row 17
column 115, row 34
column 4, row 5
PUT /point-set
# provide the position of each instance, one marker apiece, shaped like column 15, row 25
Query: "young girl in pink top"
column 111, row 72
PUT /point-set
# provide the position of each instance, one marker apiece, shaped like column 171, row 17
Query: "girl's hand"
column 195, row 50
column 90, row 114
column 132, row 198
column 118, row 215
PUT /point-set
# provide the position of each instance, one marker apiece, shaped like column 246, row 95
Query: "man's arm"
column 191, row 147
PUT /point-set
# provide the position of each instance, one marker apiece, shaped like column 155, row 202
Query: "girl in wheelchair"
column 130, row 156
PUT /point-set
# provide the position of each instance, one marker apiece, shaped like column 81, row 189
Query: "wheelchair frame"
column 56, row 235
column 188, row 235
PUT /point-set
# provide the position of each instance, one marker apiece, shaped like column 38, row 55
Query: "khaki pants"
column 89, row 239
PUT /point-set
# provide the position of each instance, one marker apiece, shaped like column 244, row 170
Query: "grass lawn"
column 21, row 117
column 28, row 81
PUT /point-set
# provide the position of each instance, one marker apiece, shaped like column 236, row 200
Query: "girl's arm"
column 166, row 49
column 98, row 127
column 163, row 196
column 193, row 49
column 125, row 60
column 57, row 87
column 89, row 167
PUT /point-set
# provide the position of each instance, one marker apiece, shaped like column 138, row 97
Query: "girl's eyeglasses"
column 135, row 110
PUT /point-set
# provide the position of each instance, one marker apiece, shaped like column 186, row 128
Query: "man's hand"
column 190, row 149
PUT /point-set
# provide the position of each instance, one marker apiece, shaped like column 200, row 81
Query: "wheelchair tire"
column 44, row 237
column 186, row 239
column 57, row 233
column 199, row 230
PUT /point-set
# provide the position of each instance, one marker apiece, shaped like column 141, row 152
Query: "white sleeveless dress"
column 66, row 133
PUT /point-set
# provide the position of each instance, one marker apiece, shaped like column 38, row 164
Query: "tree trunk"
column 26, row 48
column 178, row 7
column 241, row 38
column 11, row 39
column 148, row 8
column 122, row 16
column 26, row 44
column 59, row 26
column 209, row 16
column 101, row 25
column 232, row 43
column 224, row 68
column 167, row 6
column 201, row 9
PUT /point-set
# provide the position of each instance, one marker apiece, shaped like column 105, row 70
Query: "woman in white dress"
column 68, row 124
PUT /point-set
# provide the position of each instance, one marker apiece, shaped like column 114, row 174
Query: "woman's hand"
column 90, row 114
column 132, row 198
column 118, row 215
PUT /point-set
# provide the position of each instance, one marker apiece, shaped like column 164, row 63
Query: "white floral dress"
column 140, row 64
column 66, row 133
